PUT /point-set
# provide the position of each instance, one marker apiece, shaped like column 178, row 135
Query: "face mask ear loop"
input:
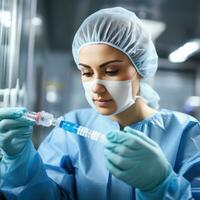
column 140, row 97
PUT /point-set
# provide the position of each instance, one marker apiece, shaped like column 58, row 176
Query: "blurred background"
column 36, row 65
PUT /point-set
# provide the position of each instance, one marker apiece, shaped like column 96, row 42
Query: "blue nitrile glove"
column 136, row 159
column 14, row 132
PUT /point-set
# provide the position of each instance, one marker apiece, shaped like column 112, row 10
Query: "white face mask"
column 121, row 92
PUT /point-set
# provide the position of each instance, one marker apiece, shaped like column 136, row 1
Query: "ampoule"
column 47, row 119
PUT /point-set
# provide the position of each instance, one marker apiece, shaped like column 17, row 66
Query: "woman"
column 149, row 153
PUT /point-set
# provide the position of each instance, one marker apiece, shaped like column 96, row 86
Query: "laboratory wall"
column 174, row 93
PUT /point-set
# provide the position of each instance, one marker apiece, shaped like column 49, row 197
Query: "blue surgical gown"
column 68, row 166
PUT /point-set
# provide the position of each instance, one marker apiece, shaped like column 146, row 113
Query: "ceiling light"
column 185, row 51
column 5, row 18
column 36, row 21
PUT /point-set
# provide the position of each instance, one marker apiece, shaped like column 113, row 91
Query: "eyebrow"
column 102, row 65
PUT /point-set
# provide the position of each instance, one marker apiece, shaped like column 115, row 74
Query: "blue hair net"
column 123, row 30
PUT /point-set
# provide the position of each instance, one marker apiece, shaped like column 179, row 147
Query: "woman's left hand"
column 136, row 159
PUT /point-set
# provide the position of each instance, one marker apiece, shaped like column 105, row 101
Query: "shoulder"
column 178, row 118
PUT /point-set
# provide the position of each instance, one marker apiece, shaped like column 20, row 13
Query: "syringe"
column 47, row 119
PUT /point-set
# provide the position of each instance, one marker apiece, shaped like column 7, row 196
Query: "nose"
column 98, row 88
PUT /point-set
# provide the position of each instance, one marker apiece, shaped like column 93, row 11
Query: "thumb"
column 117, row 137
column 140, row 135
column 11, row 112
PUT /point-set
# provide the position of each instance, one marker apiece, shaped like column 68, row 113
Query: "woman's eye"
column 112, row 73
column 87, row 74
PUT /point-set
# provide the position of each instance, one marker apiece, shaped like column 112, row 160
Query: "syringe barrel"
column 32, row 116
column 40, row 118
column 94, row 135
column 69, row 126
column 82, row 131
column 47, row 119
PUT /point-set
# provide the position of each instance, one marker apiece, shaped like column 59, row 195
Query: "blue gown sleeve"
column 184, row 181
column 24, row 177
column 46, row 174
column 188, row 158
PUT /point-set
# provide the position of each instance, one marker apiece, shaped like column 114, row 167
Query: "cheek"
column 131, row 72
column 129, row 77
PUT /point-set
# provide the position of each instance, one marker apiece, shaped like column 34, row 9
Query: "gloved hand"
column 136, row 159
column 14, row 132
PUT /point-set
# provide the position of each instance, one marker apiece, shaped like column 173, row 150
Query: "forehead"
column 98, row 53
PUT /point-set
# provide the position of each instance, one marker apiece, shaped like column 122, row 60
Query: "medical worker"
column 150, row 154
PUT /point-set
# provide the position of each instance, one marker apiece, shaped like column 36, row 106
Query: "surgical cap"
column 123, row 30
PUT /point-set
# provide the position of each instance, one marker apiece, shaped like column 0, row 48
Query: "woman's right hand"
column 15, row 132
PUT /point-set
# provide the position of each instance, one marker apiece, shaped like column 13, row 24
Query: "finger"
column 115, row 136
column 23, row 132
column 8, row 124
column 120, row 162
column 113, row 169
column 140, row 134
column 126, row 139
column 26, row 121
column 124, row 151
column 119, row 149
column 11, row 112
column 19, row 132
